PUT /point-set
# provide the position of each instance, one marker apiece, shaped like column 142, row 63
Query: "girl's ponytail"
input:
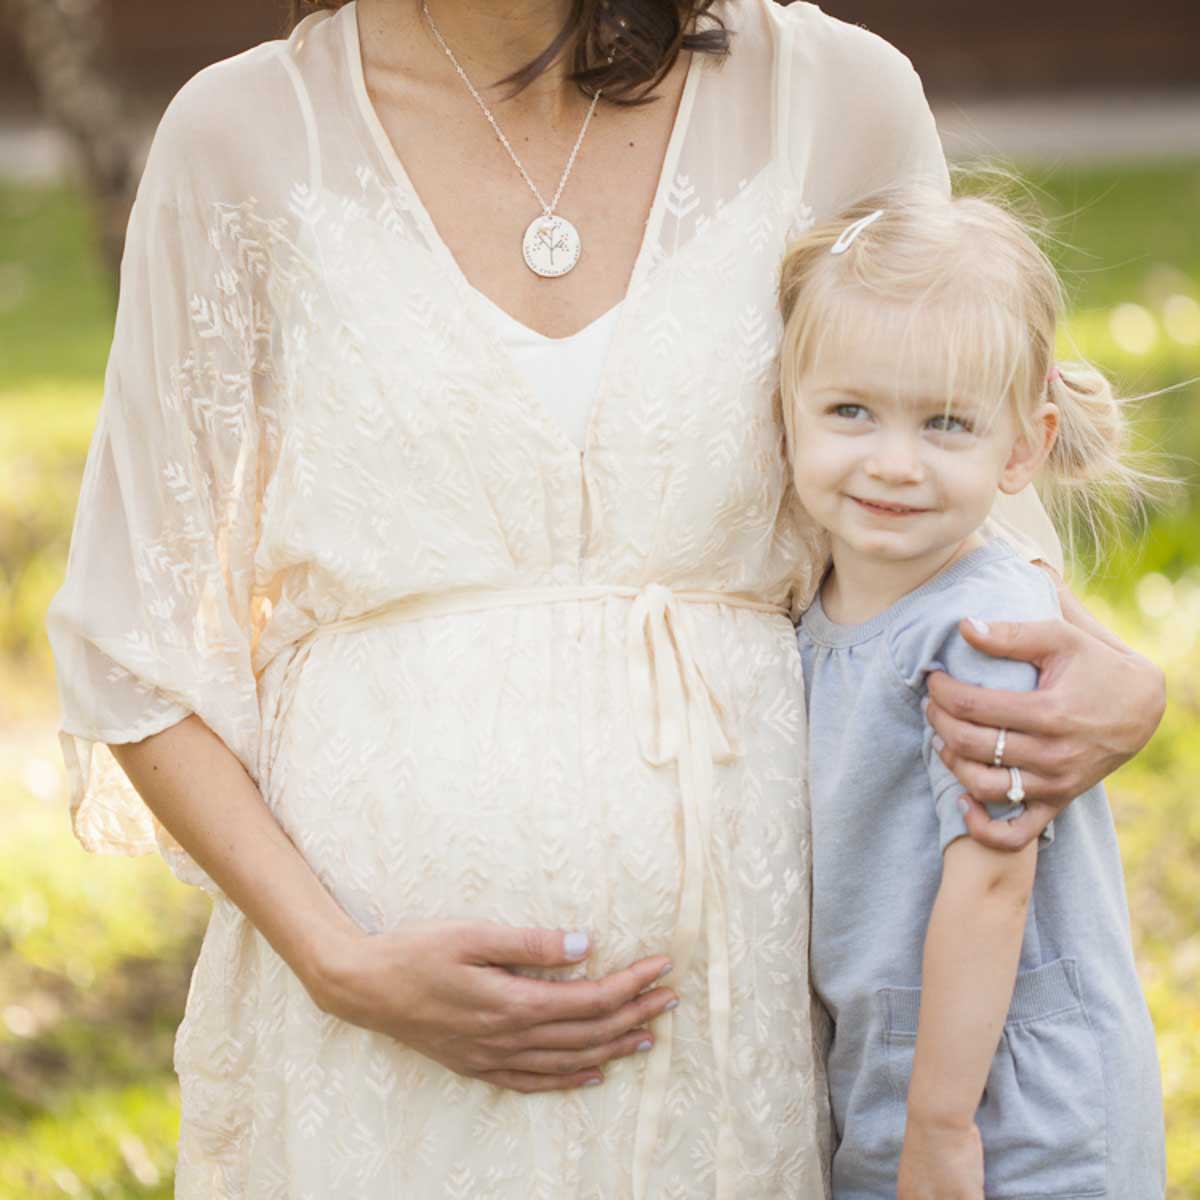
column 1091, row 428
column 1090, row 477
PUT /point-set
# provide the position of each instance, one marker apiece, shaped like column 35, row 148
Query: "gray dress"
column 1073, row 1104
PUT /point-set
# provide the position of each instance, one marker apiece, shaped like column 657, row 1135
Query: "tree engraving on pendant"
column 551, row 246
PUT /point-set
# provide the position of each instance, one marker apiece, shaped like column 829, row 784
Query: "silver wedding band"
column 998, row 755
column 1016, row 793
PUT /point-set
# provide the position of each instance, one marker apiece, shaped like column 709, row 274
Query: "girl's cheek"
column 972, row 479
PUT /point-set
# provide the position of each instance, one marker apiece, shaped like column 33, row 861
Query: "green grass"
column 57, row 299
column 94, row 961
column 95, row 953
column 118, row 1143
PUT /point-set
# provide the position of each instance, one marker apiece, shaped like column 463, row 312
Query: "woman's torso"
column 523, row 764
column 387, row 402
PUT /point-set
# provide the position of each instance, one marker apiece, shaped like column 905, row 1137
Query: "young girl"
column 990, row 1035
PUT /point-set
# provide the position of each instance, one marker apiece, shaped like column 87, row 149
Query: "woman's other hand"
column 1097, row 704
column 444, row 989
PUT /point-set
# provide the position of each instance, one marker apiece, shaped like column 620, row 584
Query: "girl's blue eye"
column 851, row 412
column 945, row 423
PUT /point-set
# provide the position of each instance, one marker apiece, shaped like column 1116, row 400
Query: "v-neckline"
column 472, row 296
column 534, row 335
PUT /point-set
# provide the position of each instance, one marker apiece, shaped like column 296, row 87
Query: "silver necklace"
column 551, row 245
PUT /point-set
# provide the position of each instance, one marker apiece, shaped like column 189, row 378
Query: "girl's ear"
column 1032, row 447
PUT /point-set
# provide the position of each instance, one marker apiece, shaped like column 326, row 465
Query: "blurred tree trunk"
column 63, row 41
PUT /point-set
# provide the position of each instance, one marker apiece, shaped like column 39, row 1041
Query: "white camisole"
column 563, row 373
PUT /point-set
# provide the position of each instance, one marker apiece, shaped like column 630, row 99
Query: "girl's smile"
column 884, row 509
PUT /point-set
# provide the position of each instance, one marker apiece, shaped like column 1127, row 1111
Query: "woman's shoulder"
column 850, row 110
column 842, row 50
column 233, row 119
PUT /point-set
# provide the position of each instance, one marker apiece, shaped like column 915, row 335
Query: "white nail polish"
column 575, row 945
column 666, row 970
column 592, row 1082
column 644, row 1046
column 670, row 1005
column 924, row 705
column 938, row 744
column 979, row 626
column 963, row 806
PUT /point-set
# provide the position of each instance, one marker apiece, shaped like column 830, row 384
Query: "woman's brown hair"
column 643, row 37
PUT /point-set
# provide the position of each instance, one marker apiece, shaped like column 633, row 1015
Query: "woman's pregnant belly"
column 489, row 766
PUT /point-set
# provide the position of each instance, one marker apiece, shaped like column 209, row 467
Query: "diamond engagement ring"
column 1016, row 793
column 998, row 756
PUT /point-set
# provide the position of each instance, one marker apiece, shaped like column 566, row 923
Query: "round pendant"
column 551, row 246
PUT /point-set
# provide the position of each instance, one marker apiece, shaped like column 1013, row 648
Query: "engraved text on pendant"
column 551, row 246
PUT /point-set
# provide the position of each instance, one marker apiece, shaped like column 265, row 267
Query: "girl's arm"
column 972, row 948
column 439, row 987
column 1097, row 704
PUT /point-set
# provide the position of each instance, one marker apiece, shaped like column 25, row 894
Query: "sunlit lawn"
column 94, row 956
column 95, row 953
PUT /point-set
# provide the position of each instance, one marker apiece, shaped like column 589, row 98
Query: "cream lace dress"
column 475, row 671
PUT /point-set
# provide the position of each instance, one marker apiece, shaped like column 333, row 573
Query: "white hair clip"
column 852, row 231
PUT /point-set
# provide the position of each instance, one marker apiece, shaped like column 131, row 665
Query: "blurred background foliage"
column 95, row 953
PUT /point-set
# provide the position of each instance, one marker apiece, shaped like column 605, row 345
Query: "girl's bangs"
column 965, row 345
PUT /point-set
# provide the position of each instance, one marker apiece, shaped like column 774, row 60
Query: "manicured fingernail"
column 575, row 945
column 644, row 1046
column 666, row 970
column 592, row 1082
column 979, row 626
column 938, row 744
column 924, row 705
column 963, row 806
column 670, row 1004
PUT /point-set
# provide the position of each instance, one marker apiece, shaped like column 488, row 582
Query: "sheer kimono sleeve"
column 856, row 121
column 153, row 620
column 854, row 117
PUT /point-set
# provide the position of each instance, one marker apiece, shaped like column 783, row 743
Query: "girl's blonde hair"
column 962, row 278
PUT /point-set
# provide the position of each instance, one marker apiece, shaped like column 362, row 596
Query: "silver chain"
column 548, row 209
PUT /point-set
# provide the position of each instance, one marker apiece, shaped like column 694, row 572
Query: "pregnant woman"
column 431, row 582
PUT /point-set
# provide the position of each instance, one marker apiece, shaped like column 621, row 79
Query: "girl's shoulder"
column 993, row 584
column 1000, row 572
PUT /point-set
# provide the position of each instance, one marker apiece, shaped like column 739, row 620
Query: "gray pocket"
column 1043, row 1117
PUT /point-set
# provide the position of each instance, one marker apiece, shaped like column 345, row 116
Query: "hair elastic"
column 846, row 240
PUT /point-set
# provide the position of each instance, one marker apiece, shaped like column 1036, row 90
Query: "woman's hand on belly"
column 443, row 988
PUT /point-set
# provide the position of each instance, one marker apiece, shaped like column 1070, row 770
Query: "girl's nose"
column 896, row 461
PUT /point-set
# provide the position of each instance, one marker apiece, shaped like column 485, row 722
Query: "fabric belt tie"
column 681, row 720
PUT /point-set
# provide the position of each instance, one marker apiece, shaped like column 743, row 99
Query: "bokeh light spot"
column 41, row 778
column 1155, row 595
column 68, row 1182
column 20, row 1021
column 1133, row 328
column 1181, row 317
